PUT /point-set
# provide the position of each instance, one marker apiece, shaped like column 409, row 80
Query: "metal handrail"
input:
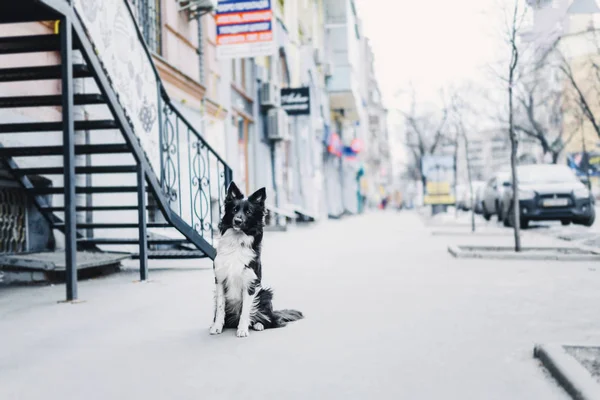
column 163, row 92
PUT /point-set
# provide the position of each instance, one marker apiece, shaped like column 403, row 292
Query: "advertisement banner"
column 439, row 180
column 296, row 101
column 245, row 29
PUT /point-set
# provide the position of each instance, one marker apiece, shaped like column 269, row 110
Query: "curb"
column 593, row 250
column 569, row 374
column 455, row 251
column 473, row 253
column 469, row 233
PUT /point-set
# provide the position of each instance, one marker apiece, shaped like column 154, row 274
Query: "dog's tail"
column 282, row 317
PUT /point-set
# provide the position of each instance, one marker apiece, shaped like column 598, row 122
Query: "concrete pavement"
column 389, row 314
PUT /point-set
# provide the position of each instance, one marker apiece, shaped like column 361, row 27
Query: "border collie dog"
column 241, row 302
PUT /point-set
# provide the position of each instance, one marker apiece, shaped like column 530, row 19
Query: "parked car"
column 462, row 197
column 493, row 194
column 549, row 192
column 477, row 185
column 479, row 198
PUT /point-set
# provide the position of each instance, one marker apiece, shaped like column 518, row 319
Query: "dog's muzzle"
column 237, row 222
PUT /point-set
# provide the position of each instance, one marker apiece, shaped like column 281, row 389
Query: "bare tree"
column 582, row 98
column 539, row 112
column 459, row 110
column 514, row 21
column 425, row 132
column 584, row 95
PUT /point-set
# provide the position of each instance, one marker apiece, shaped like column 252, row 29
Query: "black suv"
column 549, row 192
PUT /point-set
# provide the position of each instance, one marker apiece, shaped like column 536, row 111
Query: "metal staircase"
column 153, row 204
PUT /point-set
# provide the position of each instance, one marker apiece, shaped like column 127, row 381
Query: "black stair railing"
column 193, row 177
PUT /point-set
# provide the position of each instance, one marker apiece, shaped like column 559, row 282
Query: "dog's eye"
column 248, row 212
column 236, row 209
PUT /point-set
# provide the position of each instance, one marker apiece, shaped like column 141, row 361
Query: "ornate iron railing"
column 194, row 177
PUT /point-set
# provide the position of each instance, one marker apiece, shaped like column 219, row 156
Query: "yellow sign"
column 438, row 188
column 439, row 199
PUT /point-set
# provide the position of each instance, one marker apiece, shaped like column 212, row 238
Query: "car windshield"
column 546, row 174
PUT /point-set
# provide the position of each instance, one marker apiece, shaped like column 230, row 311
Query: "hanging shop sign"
column 439, row 180
column 296, row 101
column 335, row 146
column 350, row 152
column 357, row 146
column 245, row 29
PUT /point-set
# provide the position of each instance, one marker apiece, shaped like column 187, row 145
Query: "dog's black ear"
column 233, row 192
column 259, row 196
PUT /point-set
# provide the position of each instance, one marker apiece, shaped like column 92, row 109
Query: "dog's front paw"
column 242, row 332
column 258, row 327
column 216, row 329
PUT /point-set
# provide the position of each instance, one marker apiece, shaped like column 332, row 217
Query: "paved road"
column 389, row 315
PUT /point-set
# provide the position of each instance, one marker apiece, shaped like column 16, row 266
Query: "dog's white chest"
column 234, row 253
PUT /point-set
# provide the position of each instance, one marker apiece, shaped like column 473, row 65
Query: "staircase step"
column 86, row 189
column 97, row 208
column 57, row 126
column 41, row 73
column 29, row 44
column 102, row 241
column 48, row 101
column 112, row 226
column 108, row 169
column 172, row 254
column 59, row 150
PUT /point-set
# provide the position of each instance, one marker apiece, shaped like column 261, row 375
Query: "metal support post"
column 66, row 50
column 143, row 234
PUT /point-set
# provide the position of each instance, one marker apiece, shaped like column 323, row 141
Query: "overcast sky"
column 432, row 43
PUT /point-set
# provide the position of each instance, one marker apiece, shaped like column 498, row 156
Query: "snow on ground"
column 389, row 314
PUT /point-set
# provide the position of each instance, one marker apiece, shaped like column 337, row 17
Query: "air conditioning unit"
column 270, row 95
column 278, row 124
column 262, row 74
column 196, row 8
column 328, row 69
column 318, row 56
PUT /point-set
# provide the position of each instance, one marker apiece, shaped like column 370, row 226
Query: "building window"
column 150, row 23
column 243, row 74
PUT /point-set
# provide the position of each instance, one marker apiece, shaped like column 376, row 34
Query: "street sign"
column 438, row 171
column 245, row 28
column 296, row 101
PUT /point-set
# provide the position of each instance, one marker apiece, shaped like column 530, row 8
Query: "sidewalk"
column 389, row 314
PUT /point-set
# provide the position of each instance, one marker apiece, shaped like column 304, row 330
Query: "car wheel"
column 507, row 222
column 590, row 221
column 565, row 222
column 486, row 215
column 499, row 212
column 524, row 223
